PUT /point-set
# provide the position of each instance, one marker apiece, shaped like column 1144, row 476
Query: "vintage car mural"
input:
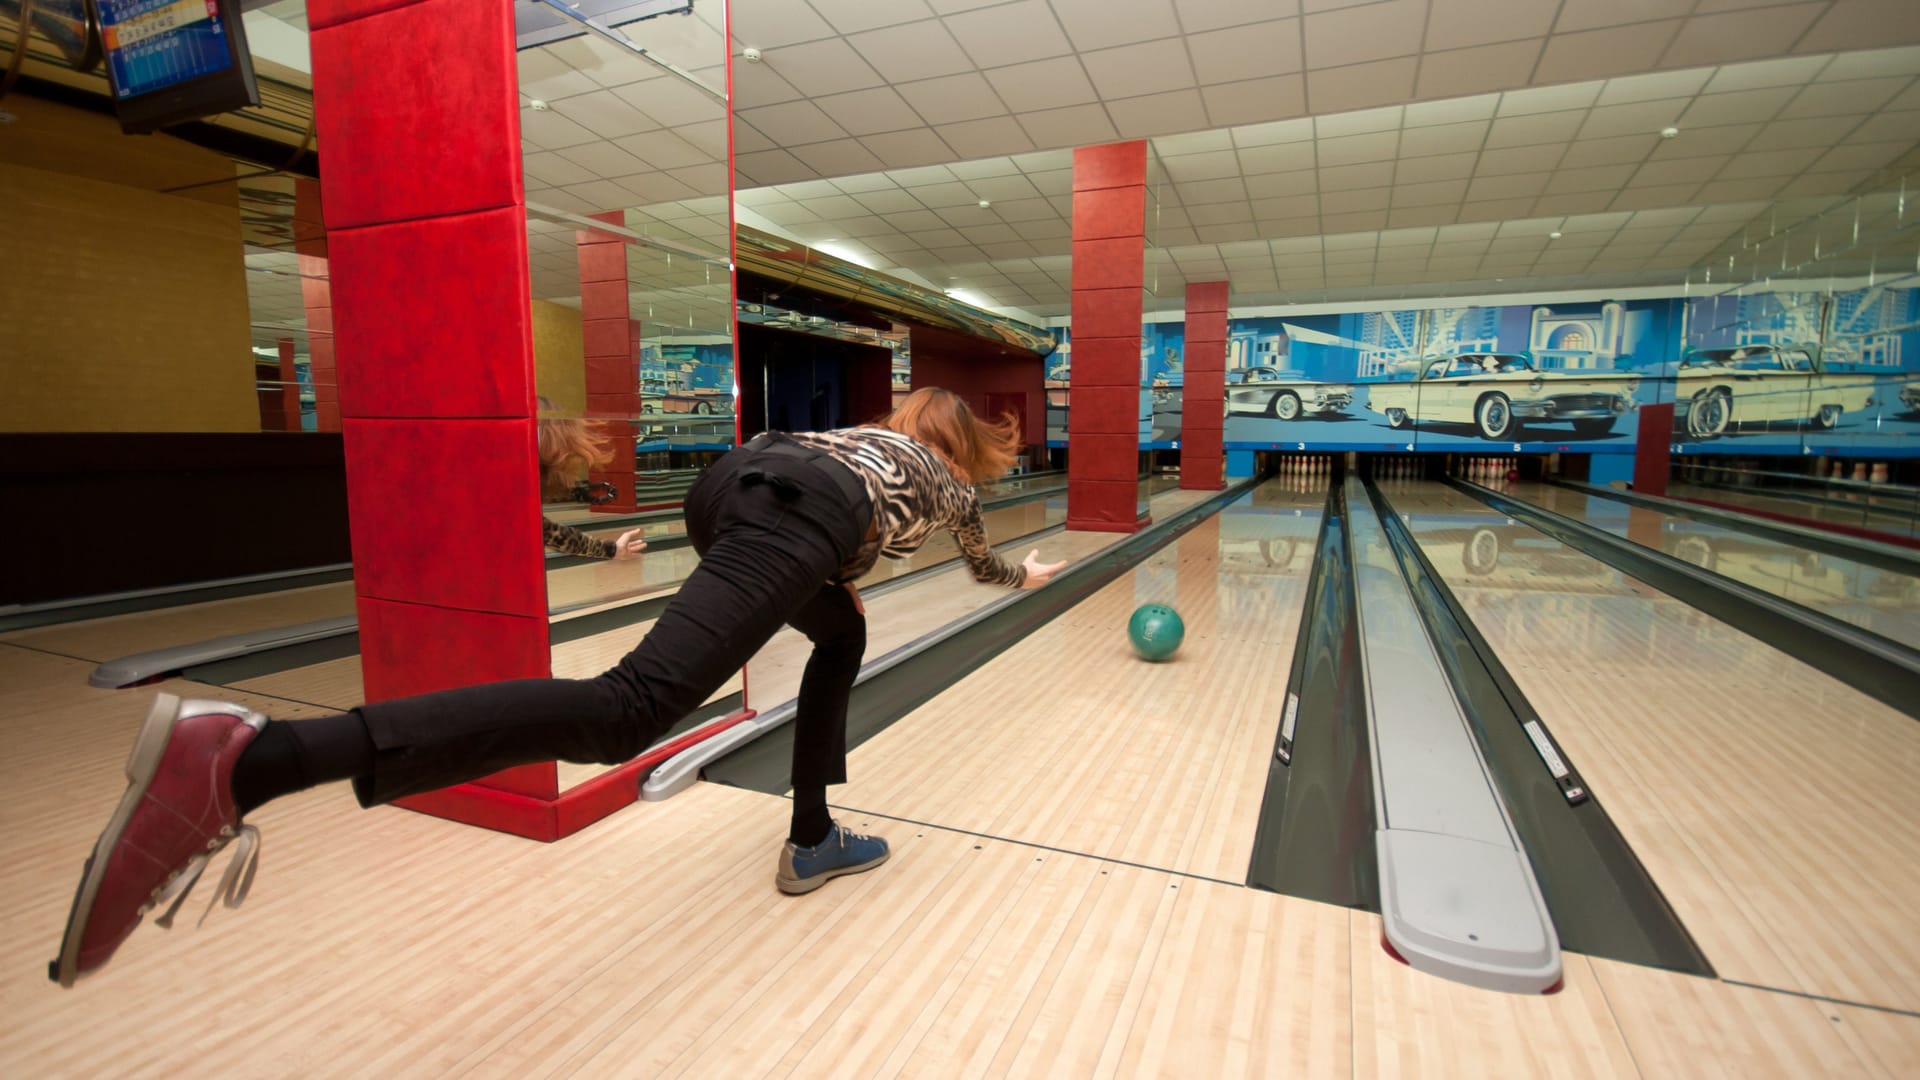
column 1910, row 397
column 1283, row 395
column 1717, row 390
column 1499, row 393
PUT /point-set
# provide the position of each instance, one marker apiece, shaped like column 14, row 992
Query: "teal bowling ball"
column 1155, row 631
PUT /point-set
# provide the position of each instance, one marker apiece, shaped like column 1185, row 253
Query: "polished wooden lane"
column 387, row 943
column 1871, row 597
column 1070, row 741
column 1767, row 799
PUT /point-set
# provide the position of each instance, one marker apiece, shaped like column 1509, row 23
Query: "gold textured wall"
column 559, row 357
column 122, row 307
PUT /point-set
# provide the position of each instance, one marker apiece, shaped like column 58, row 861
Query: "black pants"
column 772, row 523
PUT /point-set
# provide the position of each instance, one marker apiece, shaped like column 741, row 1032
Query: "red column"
column 419, row 130
column 289, row 388
column 1204, row 392
column 1652, row 452
column 612, row 352
column 1109, row 267
column 310, row 242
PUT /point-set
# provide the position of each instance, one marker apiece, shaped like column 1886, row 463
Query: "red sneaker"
column 176, row 814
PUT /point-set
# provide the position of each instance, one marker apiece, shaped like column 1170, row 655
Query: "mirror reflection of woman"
column 568, row 447
column 784, row 526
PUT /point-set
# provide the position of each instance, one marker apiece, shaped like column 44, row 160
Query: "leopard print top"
column 914, row 494
column 572, row 541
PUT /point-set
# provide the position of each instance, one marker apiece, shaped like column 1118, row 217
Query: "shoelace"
column 234, row 884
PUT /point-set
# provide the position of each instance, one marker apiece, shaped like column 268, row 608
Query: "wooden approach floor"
column 654, row 944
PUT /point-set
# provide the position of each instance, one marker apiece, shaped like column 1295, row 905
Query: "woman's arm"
column 574, row 542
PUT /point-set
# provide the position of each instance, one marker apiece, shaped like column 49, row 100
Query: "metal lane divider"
column 1458, row 897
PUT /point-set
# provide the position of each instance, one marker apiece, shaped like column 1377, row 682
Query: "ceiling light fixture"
column 1669, row 132
column 537, row 105
column 984, row 204
column 1554, row 235
column 751, row 56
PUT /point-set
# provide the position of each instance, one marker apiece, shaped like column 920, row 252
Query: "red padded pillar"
column 289, row 388
column 310, row 245
column 613, row 355
column 1109, row 270
column 428, row 301
column 1204, row 393
column 1652, row 453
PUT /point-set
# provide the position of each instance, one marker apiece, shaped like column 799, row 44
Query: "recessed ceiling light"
column 537, row 105
column 1554, row 235
column 1669, row 132
column 984, row 204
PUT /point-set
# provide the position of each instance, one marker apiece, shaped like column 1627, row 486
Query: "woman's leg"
column 839, row 634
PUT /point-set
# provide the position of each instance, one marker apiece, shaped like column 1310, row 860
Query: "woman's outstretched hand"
column 629, row 546
column 1037, row 572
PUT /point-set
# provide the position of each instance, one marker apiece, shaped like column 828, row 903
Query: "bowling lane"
column 575, row 590
column 1768, row 800
column 1876, row 599
column 1868, row 511
column 1068, row 740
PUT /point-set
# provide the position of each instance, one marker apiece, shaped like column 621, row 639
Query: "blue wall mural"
column 1772, row 373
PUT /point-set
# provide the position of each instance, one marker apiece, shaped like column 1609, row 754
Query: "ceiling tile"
column 1361, row 86
column 795, row 121
column 1533, row 130
column 1246, row 52
column 1886, row 127
column 1771, row 163
column 1198, row 15
column 1861, row 156
column 1256, row 100
column 1269, row 185
column 1607, row 178
column 1841, row 98
column 1290, row 206
column 1099, row 24
column 1363, row 122
column 552, row 131
column 1873, row 63
column 953, row 98
column 1158, row 114
column 1550, row 99
column 1703, row 141
column 902, row 149
column 819, row 68
column 1507, row 187
column 1475, row 72
column 1456, row 24
column 1350, row 200
column 1133, row 70
column 1373, row 32
column 1573, row 203
column 1443, row 139
column 986, row 138
column 1010, row 33
column 851, row 16
column 1640, row 198
column 1519, row 159
column 1740, row 107
column 1589, row 14
column 1684, row 170
column 555, row 169
column 914, row 51
column 768, row 24
column 1201, row 192
column 1619, row 50
column 1862, row 24
column 1043, row 84
column 1342, row 177
column 1790, row 134
column 1439, row 167
column 1743, row 35
column 1208, row 166
column 1614, row 151
column 671, row 102
column 757, row 84
column 1430, row 194
column 867, row 112
column 839, row 157
column 1075, row 125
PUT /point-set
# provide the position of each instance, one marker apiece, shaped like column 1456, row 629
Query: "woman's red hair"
column 569, row 446
column 978, row 450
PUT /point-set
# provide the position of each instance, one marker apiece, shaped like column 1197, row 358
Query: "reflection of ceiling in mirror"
column 1359, row 153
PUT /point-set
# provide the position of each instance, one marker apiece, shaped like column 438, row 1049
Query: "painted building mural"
column 1771, row 373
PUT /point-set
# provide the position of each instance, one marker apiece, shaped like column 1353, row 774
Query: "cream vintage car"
column 1498, row 393
column 1283, row 395
column 1716, row 390
column 1910, row 397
